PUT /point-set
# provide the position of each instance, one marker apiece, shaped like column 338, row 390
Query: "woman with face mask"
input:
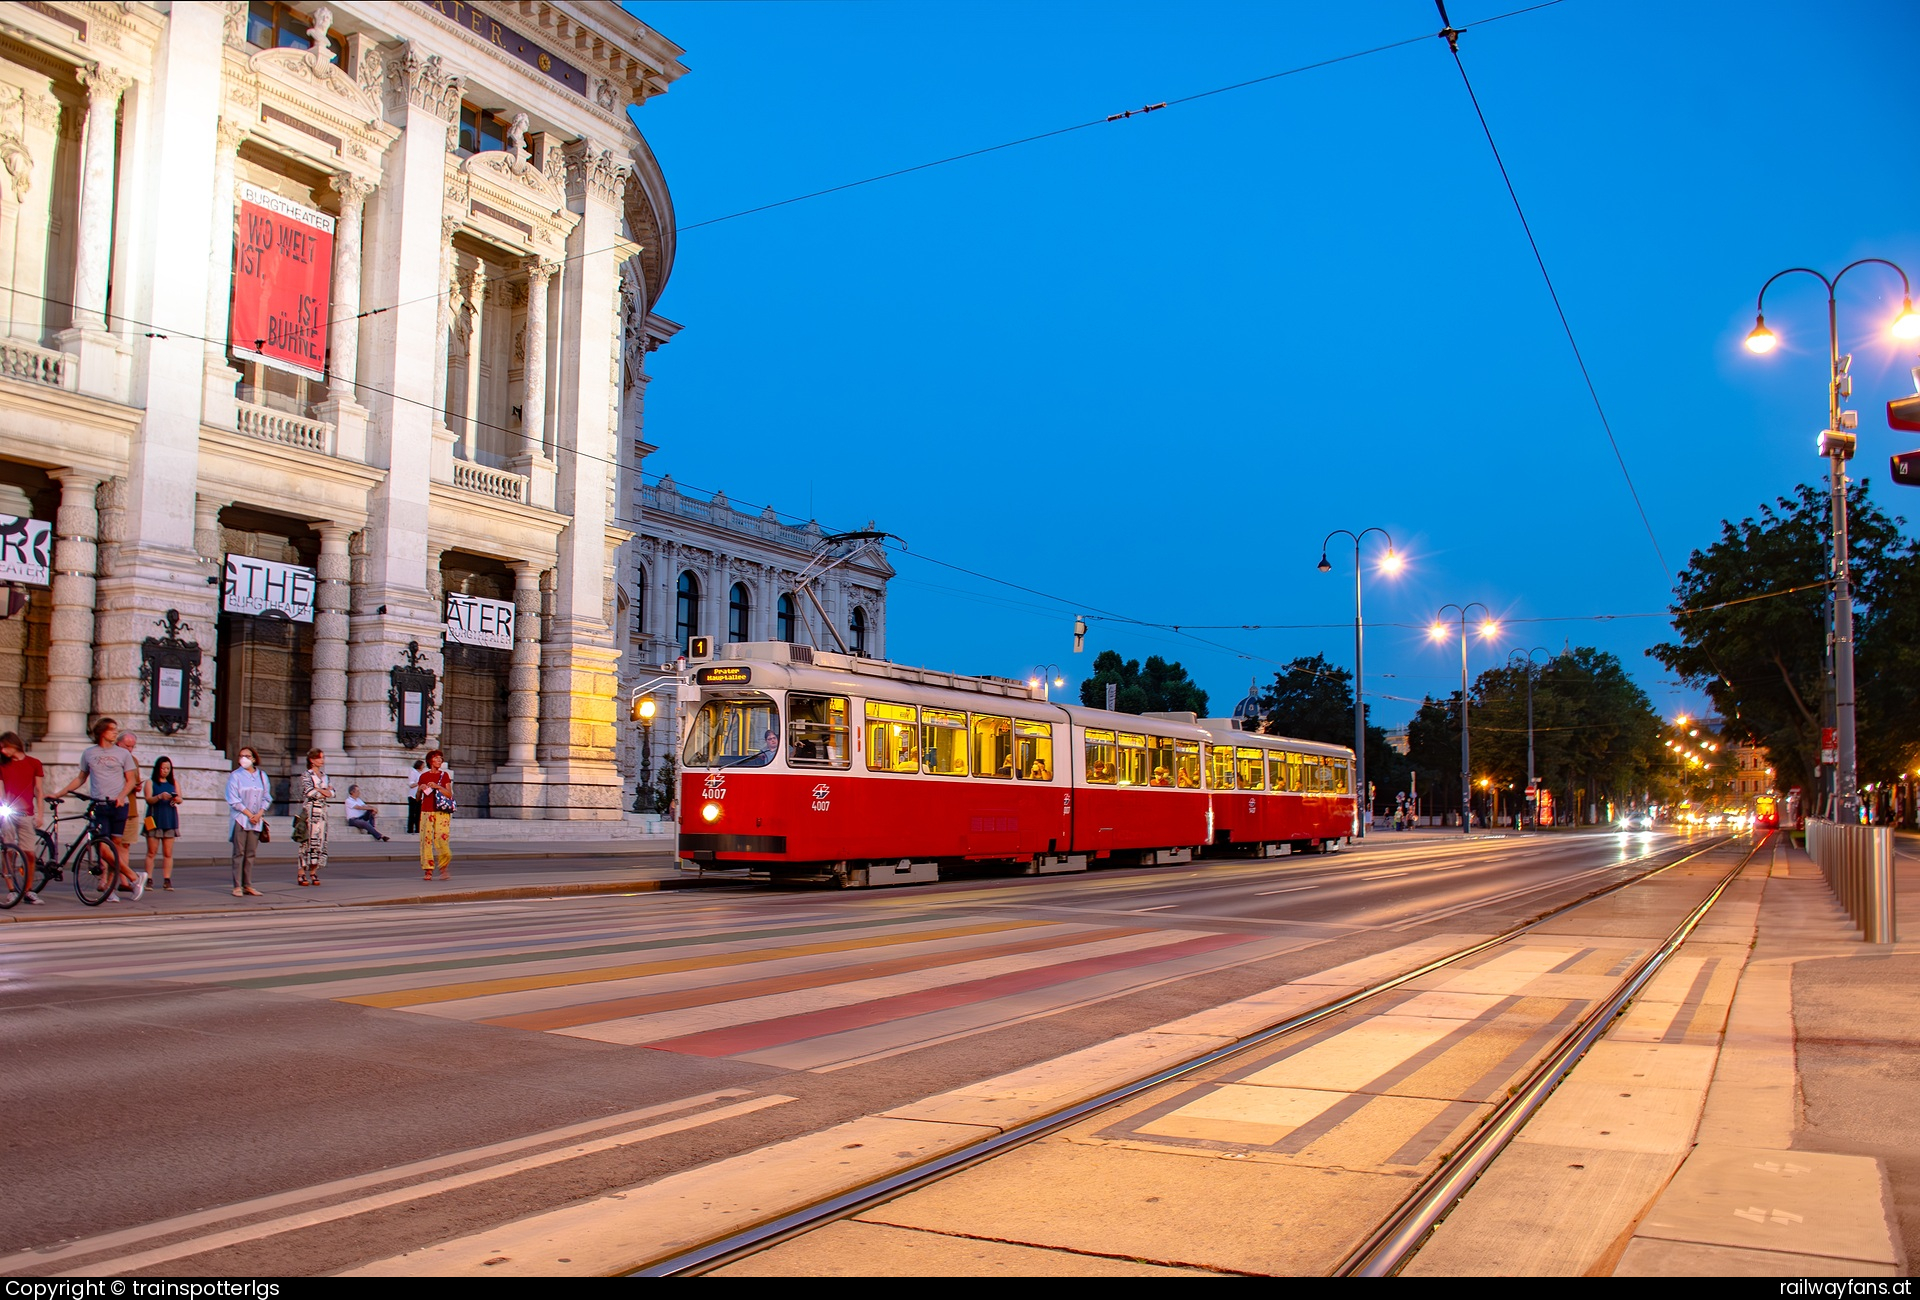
column 249, row 796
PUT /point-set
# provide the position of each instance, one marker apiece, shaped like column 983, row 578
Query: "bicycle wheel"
column 93, row 879
column 16, row 875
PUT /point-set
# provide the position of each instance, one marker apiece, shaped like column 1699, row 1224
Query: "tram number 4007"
column 820, row 801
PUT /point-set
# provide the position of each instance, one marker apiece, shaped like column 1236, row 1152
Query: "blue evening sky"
column 1145, row 367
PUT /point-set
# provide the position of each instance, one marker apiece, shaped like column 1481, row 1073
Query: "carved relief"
column 41, row 110
column 234, row 23
column 595, row 173
column 421, row 81
column 18, row 162
column 104, row 84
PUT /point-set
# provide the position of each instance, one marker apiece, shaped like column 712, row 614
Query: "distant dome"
column 1247, row 714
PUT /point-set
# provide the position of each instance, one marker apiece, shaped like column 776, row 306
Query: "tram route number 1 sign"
column 282, row 277
column 475, row 620
column 268, row 587
column 26, row 551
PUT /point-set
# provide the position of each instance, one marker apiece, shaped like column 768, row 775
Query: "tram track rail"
column 1401, row 1233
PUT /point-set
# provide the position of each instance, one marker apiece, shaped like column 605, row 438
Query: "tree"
column 1159, row 687
column 1757, row 646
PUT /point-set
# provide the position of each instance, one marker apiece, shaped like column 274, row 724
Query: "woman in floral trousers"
column 436, row 815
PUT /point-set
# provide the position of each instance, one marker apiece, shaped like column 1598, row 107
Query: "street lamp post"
column 1046, row 677
column 1390, row 562
column 1532, row 669
column 1439, row 633
column 1837, row 444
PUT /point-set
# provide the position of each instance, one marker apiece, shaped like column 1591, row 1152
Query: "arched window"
column 687, row 623
column 639, row 600
column 738, row 608
column 783, row 617
column 858, row 626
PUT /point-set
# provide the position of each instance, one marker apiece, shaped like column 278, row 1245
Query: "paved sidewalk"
column 361, row 872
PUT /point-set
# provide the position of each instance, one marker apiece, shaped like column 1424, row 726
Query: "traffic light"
column 1906, row 468
column 1904, row 413
column 1079, row 635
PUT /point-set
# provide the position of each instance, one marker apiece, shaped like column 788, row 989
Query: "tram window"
column 1033, row 750
column 992, row 747
column 1159, row 760
column 1295, row 782
column 1103, row 759
column 1220, row 767
column 1186, row 775
column 742, row 731
column 1342, row 776
column 817, row 732
column 1133, row 758
column 893, row 737
column 1276, row 770
column 943, row 744
column 1319, row 775
column 1251, row 769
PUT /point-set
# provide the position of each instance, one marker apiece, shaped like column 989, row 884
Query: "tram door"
column 263, row 695
column 473, row 727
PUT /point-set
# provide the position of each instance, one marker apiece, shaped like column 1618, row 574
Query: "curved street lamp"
column 1046, row 677
column 1533, row 670
column 1488, row 628
column 1390, row 563
column 1837, row 444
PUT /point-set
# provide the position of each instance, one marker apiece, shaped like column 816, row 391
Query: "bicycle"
column 93, row 880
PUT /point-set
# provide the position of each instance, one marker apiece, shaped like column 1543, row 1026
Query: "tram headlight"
column 710, row 812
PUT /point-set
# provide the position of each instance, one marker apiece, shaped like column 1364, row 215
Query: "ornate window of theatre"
column 783, row 623
column 738, row 609
column 687, row 624
column 285, row 440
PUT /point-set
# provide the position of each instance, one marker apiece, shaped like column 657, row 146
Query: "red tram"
column 803, row 764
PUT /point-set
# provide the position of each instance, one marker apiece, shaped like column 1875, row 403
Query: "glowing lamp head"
column 1438, row 631
column 1907, row 324
column 1059, row 681
column 1762, row 340
column 710, row 812
column 647, row 709
column 1034, row 682
column 1489, row 628
column 1391, row 562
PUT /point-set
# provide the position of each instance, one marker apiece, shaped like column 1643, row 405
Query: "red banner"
column 282, row 278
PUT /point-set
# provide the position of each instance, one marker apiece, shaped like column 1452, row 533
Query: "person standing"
column 162, row 826
column 436, row 816
column 314, row 795
column 249, row 796
column 413, row 798
column 134, row 822
column 23, row 786
column 111, row 775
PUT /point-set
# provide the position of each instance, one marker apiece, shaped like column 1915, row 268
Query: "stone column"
column 477, row 304
column 444, row 341
column 517, row 790
column 532, row 456
column 94, row 243
column 70, row 633
column 328, row 718
column 218, row 404
column 345, row 335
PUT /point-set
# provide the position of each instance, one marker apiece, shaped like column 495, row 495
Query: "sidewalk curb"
column 506, row 893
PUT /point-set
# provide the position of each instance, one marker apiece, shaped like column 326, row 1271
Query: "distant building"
column 699, row 567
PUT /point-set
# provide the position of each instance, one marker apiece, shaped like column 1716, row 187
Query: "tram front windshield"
column 740, row 731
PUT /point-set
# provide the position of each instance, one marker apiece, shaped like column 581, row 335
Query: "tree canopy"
column 1596, row 736
column 1158, row 687
column 1751, row 616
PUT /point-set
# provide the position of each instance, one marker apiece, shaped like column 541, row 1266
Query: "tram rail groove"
column 1397, row 1239
column 763, row 1236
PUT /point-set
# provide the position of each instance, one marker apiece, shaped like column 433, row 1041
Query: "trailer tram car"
column 800, row 764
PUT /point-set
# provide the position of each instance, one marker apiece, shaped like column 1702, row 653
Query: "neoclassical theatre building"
column 321, row 385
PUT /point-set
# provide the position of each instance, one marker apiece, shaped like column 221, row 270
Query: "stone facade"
column 501, row 235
